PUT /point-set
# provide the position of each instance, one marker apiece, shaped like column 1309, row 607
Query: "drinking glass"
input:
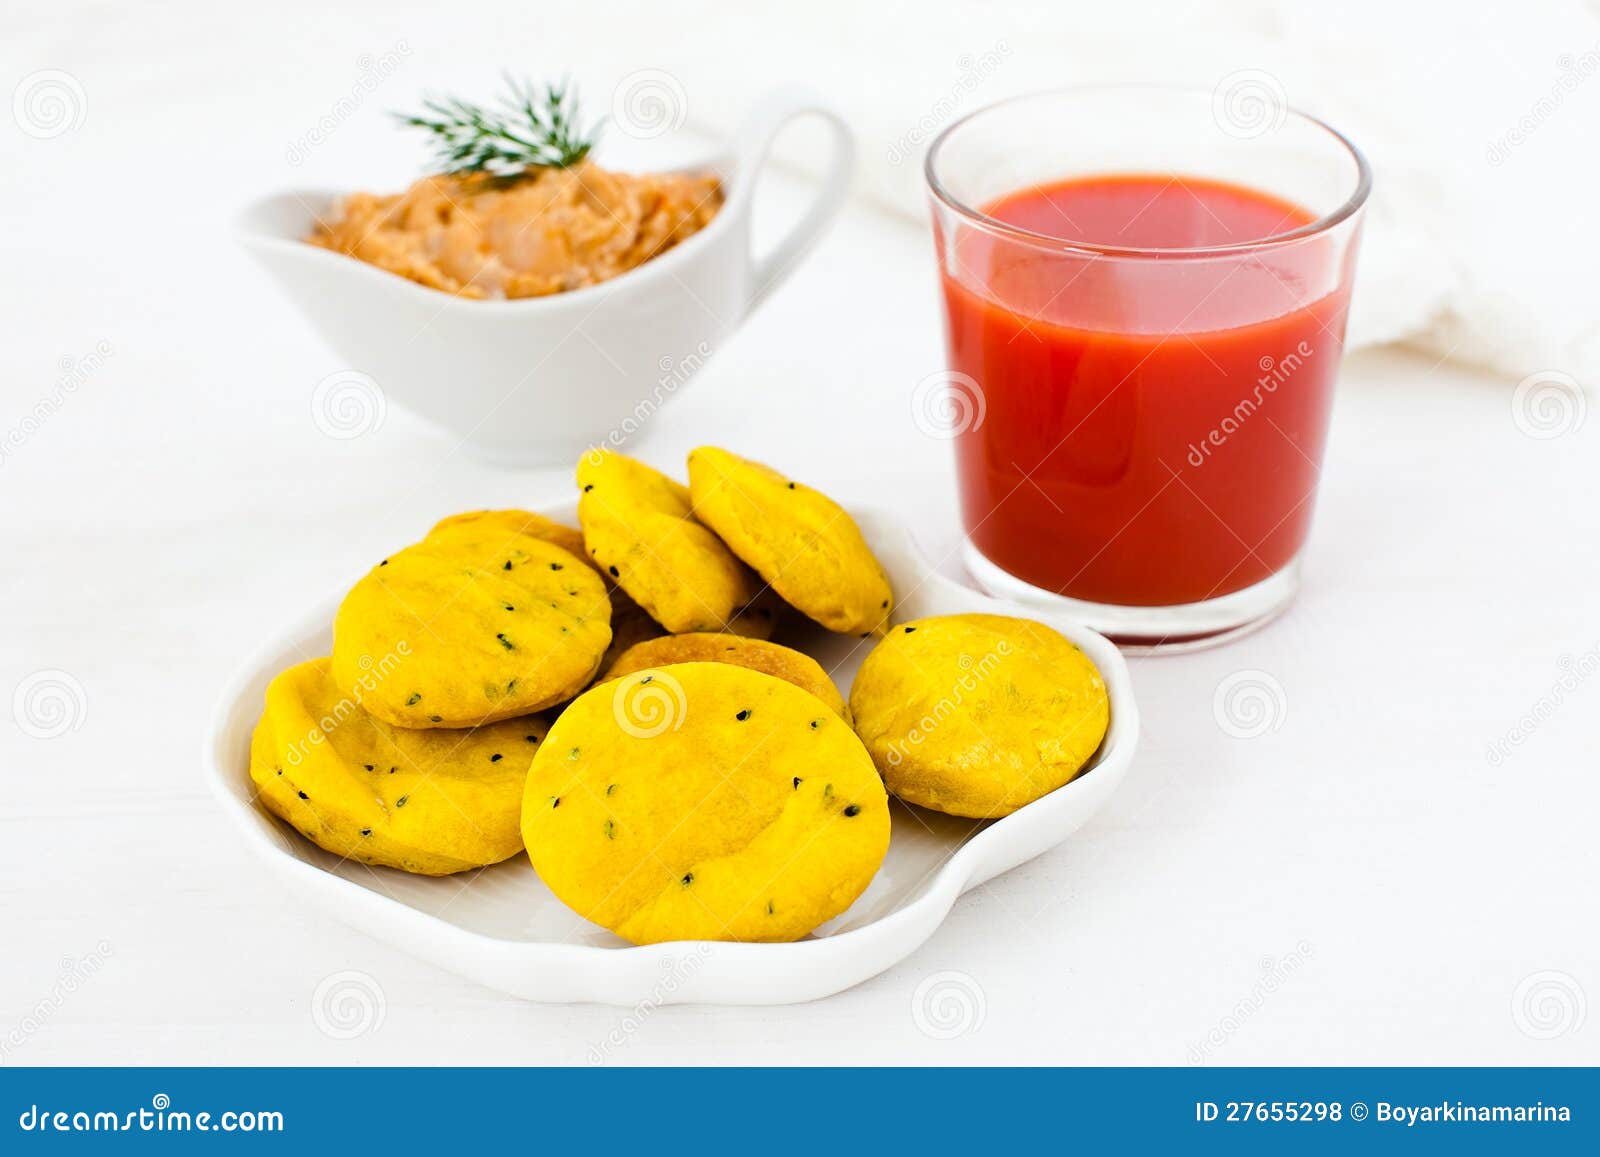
column 1145, row 295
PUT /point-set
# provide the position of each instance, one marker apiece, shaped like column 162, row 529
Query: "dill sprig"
column 527, row 129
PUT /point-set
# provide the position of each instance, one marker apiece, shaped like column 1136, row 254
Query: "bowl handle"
column 755, row 143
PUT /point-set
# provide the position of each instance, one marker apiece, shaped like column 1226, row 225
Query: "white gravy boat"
column 537, row 381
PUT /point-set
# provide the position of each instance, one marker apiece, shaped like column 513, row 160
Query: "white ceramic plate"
column 503, row 928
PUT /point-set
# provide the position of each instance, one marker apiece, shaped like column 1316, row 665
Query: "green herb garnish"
column 527, row 129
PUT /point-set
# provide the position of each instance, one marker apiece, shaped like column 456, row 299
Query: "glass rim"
column 978, row 217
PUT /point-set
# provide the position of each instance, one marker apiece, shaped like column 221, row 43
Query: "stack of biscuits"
column 609, row 699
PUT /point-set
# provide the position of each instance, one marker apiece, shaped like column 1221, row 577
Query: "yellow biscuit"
column 756, row 654
column 638, row 526
column 483, row 624
column 800, row 541
column 704, row 801
column 511, row 522
column 431, row 802
column 977, row 715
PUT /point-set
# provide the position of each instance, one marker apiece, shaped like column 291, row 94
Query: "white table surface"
column 1397, row 883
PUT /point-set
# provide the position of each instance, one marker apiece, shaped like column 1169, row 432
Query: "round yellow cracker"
column 637, row 525
column 430, row 802
column 703, row 801
column 799, row 540
column 977, row 715
column 757, row 654
column 479, row 625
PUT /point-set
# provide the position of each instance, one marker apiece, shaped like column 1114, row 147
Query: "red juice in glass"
column 1149, row 358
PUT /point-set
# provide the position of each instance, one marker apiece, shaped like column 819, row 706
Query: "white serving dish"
column 503, row 928
column 540, row 380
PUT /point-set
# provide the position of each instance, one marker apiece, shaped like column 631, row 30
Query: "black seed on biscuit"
column 743, row 715
column 401, row 802
column 303, row 795
column 496, row 757
column 852, row 810
column 688, row 878
column 412, row 702
column 615, row 573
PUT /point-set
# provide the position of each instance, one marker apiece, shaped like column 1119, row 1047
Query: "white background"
column 1438, row 904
